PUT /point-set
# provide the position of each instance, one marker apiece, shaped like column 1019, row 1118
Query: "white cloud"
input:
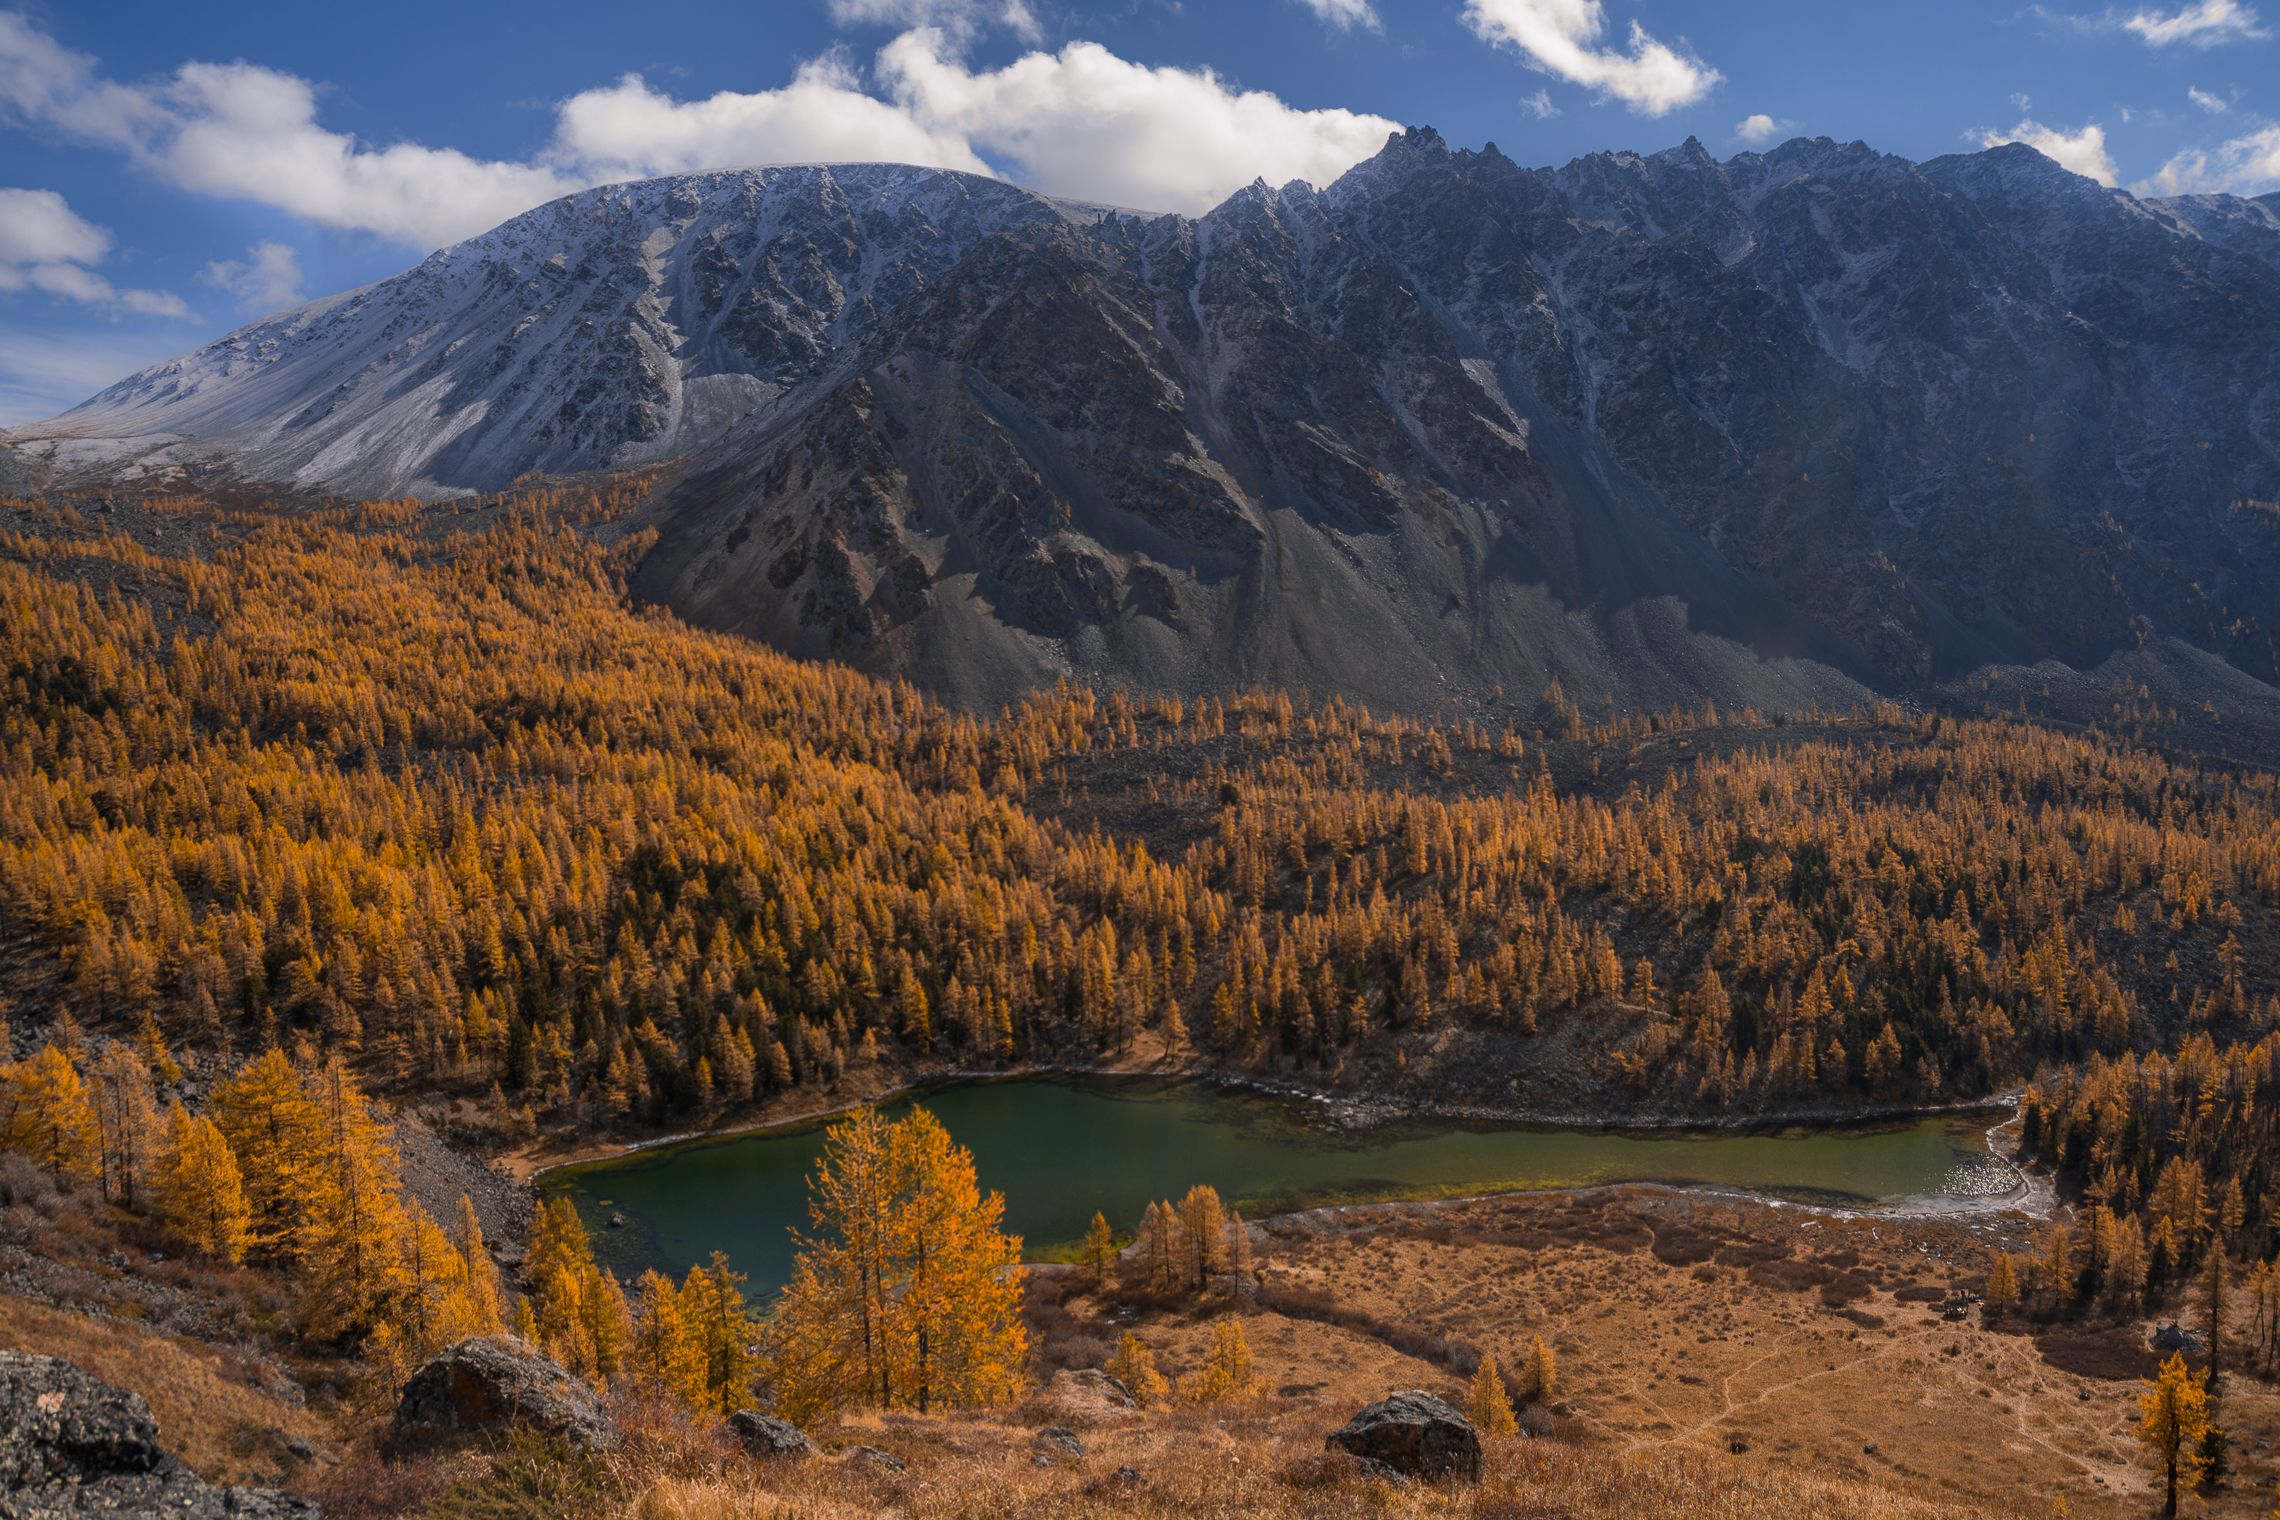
column 629, row 131
column 2246, row 165
column 1563, row 37
column 2083, row 150
column 1081, row 122
column 1760, row 129
column 266, row 280
column 45, row 246
column 2023, row 101
column 1344, row 15
column 1084, row 122
column 2206, row 24
column 248, row 132
column 1539, row 105
column 961, row 18
column 2215, row 105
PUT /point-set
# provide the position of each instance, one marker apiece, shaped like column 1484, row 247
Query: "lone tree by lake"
column 907, row 1291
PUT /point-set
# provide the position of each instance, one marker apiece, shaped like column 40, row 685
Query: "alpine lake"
column 1060, row 1149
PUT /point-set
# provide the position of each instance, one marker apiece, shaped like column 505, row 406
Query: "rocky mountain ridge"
column 1781, row 428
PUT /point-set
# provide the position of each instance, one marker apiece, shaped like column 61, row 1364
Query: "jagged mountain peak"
column 1659, row 425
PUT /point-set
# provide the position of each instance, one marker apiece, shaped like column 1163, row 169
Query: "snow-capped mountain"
column 1770, row 429
column 613, row 327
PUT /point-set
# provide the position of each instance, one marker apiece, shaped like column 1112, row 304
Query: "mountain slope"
column 1775, row 429
column 614, row 327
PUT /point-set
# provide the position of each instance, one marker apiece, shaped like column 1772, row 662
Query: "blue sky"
column 168, row 171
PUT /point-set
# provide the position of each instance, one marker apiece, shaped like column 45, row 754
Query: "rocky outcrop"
column 766, row 1436
column 71, row 1445
column 1084, row 1396
column 1412, row 1435
column 491, row 1383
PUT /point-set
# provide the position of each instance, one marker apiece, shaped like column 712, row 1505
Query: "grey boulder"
column 72, row 1445
column 766, row 1436
column 1412, row 1435
column 492, row 1382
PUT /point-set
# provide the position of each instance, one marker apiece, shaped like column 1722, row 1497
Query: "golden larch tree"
column 663, row 1354
column 1543, row 1370
column 1487, row 1404
column 273, row 1130
column 1099, row 1254
column 199, row 1193
column 45, row 1114
column 353, row 1229
column 2173, row 1421
column 127, row 1121
column 1226, row 1371
column 1203, row 1229
column 1134, row 1365
column 712, row 1304
column 482, row 1271
column 907, row 1290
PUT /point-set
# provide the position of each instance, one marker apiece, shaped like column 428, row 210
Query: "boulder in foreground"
column 493, row 1382
column 1412, row 1435
column 71, row 1445
column 766, row 1436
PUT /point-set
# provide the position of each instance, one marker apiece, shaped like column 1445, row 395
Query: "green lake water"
column 1059, row 1150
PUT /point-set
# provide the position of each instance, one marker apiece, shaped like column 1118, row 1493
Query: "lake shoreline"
column 1344, row 1111
column 2003, row 1186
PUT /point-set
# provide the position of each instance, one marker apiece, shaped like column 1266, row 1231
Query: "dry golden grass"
column 1265, row 1462
column 1684, row 1325
column 210, row 1410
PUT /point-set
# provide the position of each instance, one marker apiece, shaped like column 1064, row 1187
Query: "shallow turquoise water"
column 1059, row 1150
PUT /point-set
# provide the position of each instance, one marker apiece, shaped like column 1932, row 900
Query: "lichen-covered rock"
column 492, row 1382
column 1056, row 1444
column 1081, row 1396
column 72, row 1445
column 1414, row 1435
column 873, row 1458
column 766, row 1436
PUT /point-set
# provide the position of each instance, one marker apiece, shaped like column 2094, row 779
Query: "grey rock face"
column 766, row 1436
column 71, row 1445
column 1412, row 1435
column 490, row 1383
column 873, row 1458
